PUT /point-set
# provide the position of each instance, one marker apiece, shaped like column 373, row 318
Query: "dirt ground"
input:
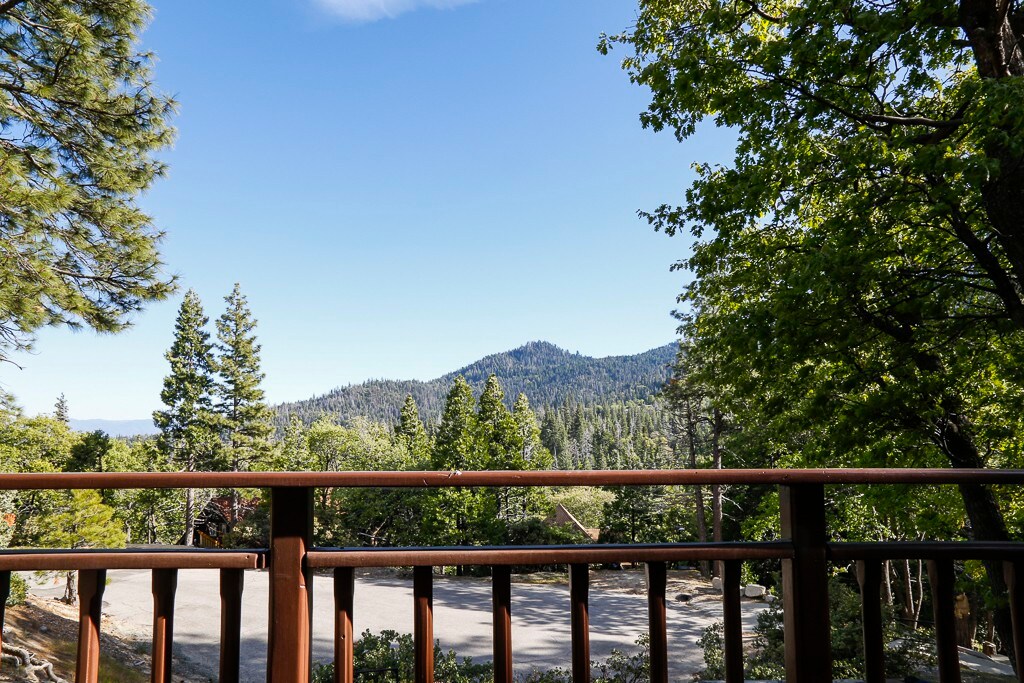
column 48, row 628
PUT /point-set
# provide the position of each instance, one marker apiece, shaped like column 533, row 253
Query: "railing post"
column 579, row 599
column 869, row 576
column 808, row 641
column 657, row 579
column 232, row 582
column 942, row 578
column 501, row 600
column 423, row 623
column 1012, row 572
column 732, row 618
column 291, row 591
column 165, row 582
column 90, row 610
column 344, row 591
column 5, row 592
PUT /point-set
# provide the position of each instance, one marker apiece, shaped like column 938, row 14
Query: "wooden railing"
column 805, row 552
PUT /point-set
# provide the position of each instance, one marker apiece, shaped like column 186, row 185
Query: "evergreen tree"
column 532, row 454
column 411, row 433
column 245, row 419
column 60, row 409
column 455, row 446
column 188, row 427
column 82, row 521
column 292, row 453
column 499, row 442
column 555, row 437
column 81, row 125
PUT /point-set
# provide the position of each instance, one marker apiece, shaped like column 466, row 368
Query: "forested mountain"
column 547, row 374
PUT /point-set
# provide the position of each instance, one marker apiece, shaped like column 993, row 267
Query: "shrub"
column 904, row 655
column 19, row 590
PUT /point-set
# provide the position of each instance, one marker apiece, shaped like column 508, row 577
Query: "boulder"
column 754, row 591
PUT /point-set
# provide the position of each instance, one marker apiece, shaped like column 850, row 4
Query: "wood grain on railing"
column 423, row 624
column 91, row 583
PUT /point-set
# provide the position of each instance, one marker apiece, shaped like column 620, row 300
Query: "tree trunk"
column 698, row 491
column 986, row 520
column 190, row 518
column 71, row 589
column 717, row 427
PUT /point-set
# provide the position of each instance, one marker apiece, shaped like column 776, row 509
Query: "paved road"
column 462, row 619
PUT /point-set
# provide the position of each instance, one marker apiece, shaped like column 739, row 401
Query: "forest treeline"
column 547, row 374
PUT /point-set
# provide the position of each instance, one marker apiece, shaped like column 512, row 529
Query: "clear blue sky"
column 400, row 187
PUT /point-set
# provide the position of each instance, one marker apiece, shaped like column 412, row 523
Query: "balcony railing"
column 805, row 553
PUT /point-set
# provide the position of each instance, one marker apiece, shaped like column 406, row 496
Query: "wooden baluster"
column 808, row 641
column 733, row 626
column 165, row 582
column 869, row 576
column 1013, row 571
column 90, row 611
column 289, row 654
column 232, row 582
column 657, row 624
column 501, row 598
column 423, row 623
column 5, row 592
column 344, row 591
column 579, row 597
column 940, row 574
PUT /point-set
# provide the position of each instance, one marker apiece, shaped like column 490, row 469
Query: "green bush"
column 19, row 590
column 904, row 654
column 391, row 656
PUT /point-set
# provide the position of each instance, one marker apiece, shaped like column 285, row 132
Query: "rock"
column 769, row 598
column 716, row 584
column 988, row 648
column 754, row 591
column 44, row 629
column 684, row 597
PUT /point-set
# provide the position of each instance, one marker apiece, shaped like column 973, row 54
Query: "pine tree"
column 532, row 454
column 83, row 521
column 188, row 427
column 60, row 409
column 245, row 419
column 455, row 447
column 82, row 125
column 499, row 442
column 411, row 432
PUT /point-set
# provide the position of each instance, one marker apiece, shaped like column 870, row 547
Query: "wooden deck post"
column 869, row 576
column 657, row 579
column 232, row 582
column 165, row 583
column 579, row 600
column 808, row 638
column 423, row 623
column 501, row 601
column 344, row 639
column 732, row 618
column 90, row 610
column 291, row 592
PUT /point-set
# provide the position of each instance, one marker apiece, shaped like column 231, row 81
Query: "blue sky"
column 400, row 187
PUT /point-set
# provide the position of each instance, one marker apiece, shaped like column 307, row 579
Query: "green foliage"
column 245, row 420
column 393, row 655
column 905, row 652
column 19, row 590
column 80, row 520
column 80, row 124
column 188, row 425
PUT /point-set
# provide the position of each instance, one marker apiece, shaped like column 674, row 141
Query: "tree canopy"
column 80, row 123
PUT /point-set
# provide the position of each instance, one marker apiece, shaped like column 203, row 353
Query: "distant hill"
column 547, row 374
column 115, row 427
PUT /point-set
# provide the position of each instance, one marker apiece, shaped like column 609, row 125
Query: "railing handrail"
column 438, row 479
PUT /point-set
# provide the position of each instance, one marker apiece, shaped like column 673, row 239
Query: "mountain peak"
column 546, row 373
